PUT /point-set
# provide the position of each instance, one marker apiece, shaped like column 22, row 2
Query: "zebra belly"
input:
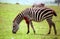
column 34, row 19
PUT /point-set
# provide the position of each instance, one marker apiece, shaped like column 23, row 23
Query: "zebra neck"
column 18, row 18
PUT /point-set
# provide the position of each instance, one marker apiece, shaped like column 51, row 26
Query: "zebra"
column 38, row 5
column 37, row 15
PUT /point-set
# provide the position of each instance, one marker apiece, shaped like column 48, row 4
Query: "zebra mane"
column 18, row 18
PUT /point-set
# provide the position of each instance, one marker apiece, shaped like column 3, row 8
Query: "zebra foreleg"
column 32, row 27
column 27, row 19
column 28, row 28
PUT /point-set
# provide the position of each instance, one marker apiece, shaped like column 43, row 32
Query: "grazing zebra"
column 38, row 5
column 35, row 14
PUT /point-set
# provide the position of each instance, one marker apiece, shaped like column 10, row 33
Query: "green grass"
column 7, row 14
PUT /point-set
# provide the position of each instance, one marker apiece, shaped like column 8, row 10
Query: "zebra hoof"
column 34, row 32
column 56, row 33
column 27, row 32
column 48, row 33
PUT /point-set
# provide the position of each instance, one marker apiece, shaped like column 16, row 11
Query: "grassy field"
column 7, row 14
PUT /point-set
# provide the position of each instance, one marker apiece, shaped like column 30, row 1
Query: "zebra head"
column 16, row 22
column 15, row 27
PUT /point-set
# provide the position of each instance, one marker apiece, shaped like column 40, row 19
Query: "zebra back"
column 40, row 13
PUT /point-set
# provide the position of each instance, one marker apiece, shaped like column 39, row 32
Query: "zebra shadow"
column 40, row 34
column 46, row 36
column 55, row 37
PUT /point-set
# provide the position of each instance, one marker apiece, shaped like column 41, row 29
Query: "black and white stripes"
column 38, row 14
column 18, row 18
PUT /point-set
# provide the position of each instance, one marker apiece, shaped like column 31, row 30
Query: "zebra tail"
column 54, row 13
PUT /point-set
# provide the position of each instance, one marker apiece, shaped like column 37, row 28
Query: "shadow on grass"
column 55, row 38
column 46, row 34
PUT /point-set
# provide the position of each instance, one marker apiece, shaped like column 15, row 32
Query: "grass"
column 7, row 14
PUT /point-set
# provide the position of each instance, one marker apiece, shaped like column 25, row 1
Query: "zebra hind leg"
column 51, row 23
column 49, row 26
column 54, row 28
